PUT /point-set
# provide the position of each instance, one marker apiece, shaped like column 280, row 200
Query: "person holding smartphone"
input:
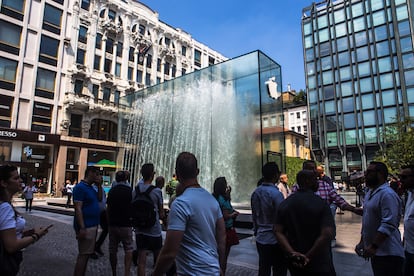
column 13, row 236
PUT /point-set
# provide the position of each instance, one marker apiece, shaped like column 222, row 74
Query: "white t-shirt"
column 8, row 219
column 28, row 192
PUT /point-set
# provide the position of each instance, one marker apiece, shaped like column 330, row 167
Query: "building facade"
column 64, row 64
column 359, row 65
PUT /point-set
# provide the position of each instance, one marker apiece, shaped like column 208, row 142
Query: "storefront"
column 33, row 153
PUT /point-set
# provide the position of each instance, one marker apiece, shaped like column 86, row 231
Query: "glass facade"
column 215, row 113
column 359, row 67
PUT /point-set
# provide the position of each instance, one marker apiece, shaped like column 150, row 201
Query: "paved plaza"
column 55, row 254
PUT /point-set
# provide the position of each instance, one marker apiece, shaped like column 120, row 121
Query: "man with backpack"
column 146, row 217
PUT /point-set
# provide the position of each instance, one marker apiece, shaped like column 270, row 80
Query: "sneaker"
column 99, row 251
column 94, row 256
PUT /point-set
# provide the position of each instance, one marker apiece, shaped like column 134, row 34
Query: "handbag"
column 231, row 237
column 9, row 262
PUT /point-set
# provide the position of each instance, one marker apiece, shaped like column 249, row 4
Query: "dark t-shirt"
column 119, row 204
column 303, row 215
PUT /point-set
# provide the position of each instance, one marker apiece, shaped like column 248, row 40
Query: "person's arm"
column 278, row 229
column 341, row 202
column 79, row 219
column 221, row 242
column 254, row 216
column 327, row 234
column 12, row 244
column 168, row 252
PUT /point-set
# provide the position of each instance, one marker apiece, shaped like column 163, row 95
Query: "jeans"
column 387, row 265
column 271, row 256
column 29, row 204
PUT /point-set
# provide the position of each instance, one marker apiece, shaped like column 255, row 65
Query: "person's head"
column 270, row 172
column 284, row 178
column 376, row 174
column 147, row 172
column 307, row 180
column 92, row 175
column 309, row 165
column 407, row 176
column 220, row 186
column 159, row 182
column 320, row 171
column 121, row 176
column 67, row 182
column 186, row 167
column 10, row 182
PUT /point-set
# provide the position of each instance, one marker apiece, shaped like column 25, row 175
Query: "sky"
column 237, row 27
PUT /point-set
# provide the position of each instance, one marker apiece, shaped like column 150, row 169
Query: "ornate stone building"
column 64, row 66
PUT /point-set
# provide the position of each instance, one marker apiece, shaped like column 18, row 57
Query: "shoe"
column 94, row 256
column 333, row 243
column 99, row 251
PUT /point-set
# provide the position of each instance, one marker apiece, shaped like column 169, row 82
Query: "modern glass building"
column 359, row 66
column 215, row 113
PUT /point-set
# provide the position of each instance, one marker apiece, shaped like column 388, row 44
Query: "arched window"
column 103, row 130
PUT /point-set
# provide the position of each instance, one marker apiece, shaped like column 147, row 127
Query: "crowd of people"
column 294, row 227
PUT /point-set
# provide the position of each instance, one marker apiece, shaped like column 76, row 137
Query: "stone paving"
column 55, row 254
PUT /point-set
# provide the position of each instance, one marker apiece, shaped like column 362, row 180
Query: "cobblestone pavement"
column 55, row 253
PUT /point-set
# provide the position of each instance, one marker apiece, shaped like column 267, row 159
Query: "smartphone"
column 47, row 228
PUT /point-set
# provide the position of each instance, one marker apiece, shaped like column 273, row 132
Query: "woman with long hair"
column 13, row 237
column 221, row 191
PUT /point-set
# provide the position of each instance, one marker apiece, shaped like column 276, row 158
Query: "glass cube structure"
column 215, row 113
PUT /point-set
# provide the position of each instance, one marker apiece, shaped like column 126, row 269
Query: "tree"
column 300, row 98
column 293, row 166
column 398, row 150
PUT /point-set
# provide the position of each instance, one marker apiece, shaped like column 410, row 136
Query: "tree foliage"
column 300, row 97
column 399, row 145
column 293, row 166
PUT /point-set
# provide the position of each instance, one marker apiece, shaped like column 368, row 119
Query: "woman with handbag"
column 13, row 237
column 221, row 191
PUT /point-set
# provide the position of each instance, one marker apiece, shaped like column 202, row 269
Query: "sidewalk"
column 55, row 254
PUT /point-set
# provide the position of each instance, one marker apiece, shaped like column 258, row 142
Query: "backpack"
column 143, row 214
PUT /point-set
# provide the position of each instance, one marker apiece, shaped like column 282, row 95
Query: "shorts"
column 86, row 246
column 145, row 242
column 120, row 234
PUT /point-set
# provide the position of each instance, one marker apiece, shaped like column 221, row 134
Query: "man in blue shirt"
column 196, row 235
column 265, row 202
column 87, row 213
column 380, row 237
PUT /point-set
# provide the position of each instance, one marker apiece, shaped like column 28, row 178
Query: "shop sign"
column 29, row 136
column 8, row 134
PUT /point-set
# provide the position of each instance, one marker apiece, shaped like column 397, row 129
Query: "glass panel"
column 342, row 44
column 52, row 15
column 378, row 18
column 404, row 28
column 360, row 39
column 346, row 88
column 348, row 104
column 349, row 120
column 322, row 22
column 406, row 44
column 370, row 135
column 357, row 9
column 376, row 4
column 409, row 77
column 381, row 33
column 332, row 139
column 383, row 49
column 390, row 115
column 369, row 118
column 388, row 98
column 410, row 95
column 329, row 107
column 323, row 35
column 10, row 33
column 364, row 69
column 408, row 60
column 345, row 73
column 308, row 42
column 8, row 69
column 362, row 53
column 386, row 81
column 340, row 30
column 359, row 24
column 384, row 64
column 351, row 137
column 367, row 101
column 307, row 28
column 45, row 80
column 365, row 85
column 339, row 16
column 402, row 12
column 327, row 77
column 326, row 63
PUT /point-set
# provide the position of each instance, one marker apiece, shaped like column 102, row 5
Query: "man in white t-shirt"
column 196, row 232
column 407, row 180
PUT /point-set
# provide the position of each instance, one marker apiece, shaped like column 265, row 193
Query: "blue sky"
column 236, row 27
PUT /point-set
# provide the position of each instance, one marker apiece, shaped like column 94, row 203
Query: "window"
column 8, row 70
column 367, row 101
column 6, row 107
column 42, row 117
column 78, row 87
column 13, row 8
column 118, row 69
column 107, row 65
column 147, row 79
column 119, row 49
column 369, row 118
column 211, row 61
column 97, row 63
column 111, row 15
column 351, row 137
column 149, row 61
column 386, row 81
column 381, row 33
column 116, row 97
column 75, row 128
column 52, row 19
column 131, row 54
column 45, row 83
column 406, row 44
column 408, row 61
column 109, row 47
column 139, row 76
column 378, row 18
column 130, row 71
column 85, row 4
column 159, row 65
column 197, row 58
column 98, row 42
column 80, row 56
column 348, row 104
column 49, row 50
column 106, row 94
column 10, row 37
column 183, row 50
column 82, row 37
column 103, row 130
column 167, row 68
column 95, row 91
